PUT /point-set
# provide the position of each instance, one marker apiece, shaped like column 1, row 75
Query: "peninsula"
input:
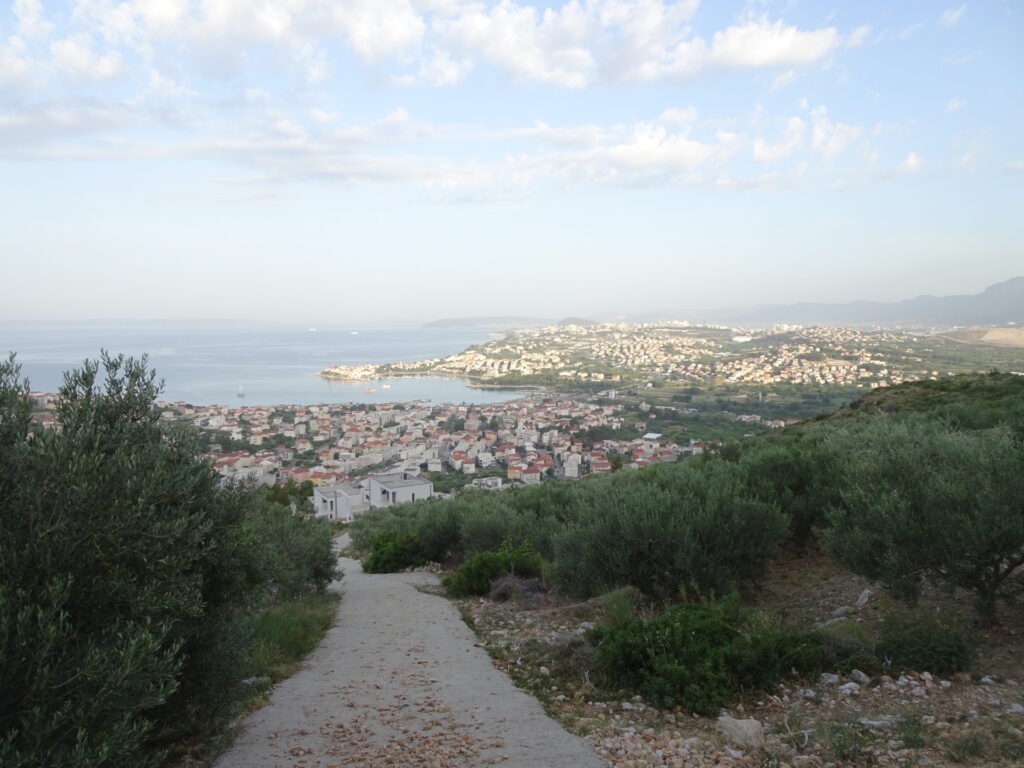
column 677, row 354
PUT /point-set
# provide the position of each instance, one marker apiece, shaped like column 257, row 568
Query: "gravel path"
column 399, row 681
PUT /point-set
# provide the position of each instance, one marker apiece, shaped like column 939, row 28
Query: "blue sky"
column 316, row 161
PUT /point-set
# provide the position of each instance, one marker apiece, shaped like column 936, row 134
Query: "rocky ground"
column 910, row 719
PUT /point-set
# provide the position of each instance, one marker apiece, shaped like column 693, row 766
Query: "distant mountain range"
column 999, row 304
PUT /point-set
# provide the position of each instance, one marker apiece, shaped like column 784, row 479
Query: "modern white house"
column 398, row 488
column 339, row 502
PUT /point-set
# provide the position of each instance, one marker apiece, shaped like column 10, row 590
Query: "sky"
column 321, row 161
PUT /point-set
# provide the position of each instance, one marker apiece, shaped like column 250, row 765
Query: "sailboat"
column 241, row 392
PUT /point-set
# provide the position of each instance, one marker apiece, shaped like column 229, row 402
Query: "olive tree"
column 921, row 500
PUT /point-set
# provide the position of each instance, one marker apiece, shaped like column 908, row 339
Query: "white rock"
column 807, row 693
column 1015, row 709
column 741, row 733
column 841, row 611
column 849, row 689
column 859, row 677
column 829, row 679
column 735, row 754
column 986, row 680
column 544, row 671
column 863, row 598
column 945, row 684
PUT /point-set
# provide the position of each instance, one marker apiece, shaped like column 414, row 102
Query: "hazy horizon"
column 399, row 161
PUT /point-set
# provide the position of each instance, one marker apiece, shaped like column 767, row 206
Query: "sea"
column 234, row 364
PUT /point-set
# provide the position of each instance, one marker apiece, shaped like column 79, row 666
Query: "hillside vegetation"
column 136, row 594
column 917, row 486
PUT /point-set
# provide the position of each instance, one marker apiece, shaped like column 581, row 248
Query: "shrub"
column 919, row 642
column 798, row 472
column 300, row 554
column 922, row 500
column 620, row 605
column 127, row 575
column 476, row 575
column 390, row 552
column 669, row 526
column 700, row 656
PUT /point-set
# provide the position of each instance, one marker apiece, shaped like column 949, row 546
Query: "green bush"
column 390, row 552
column 673, row 525
column 127, row 575
column 300, row 554
column 701, row 656
column 921, row 500
column 797, row 471
column 919, row 642
column 475, row 576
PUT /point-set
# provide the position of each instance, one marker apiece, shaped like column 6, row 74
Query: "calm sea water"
column 272, row 365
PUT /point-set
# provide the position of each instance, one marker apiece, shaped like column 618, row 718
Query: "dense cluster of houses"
column 360, row 457
column 674, row 351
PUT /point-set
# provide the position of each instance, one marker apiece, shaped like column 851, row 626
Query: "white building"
column 398, row 488
column 339, row 502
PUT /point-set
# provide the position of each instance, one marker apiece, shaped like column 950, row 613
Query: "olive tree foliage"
column 923, row 501
column 694, row 527
column 125, row 574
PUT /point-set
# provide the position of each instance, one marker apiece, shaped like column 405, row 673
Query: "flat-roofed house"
column 342, row 501
column 398, row 488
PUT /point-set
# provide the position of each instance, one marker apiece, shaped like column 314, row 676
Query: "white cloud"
column 955, row 104
column 678, row 117
column 75, row 57
column 827, row 138
column 32, row 23
column 16, row 70
column 792, row 138
column 764, row 44
column 322, row 116
column 548, row 47
column 858, row 37
column 912, row 163
column 783, row 79
column 574, row 44
column 37, row 125
column 442, row 69
column 951, row 16
column 1017, row 165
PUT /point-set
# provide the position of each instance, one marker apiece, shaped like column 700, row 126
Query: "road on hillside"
column 398, row 682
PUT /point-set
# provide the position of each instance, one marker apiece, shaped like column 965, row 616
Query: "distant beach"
column 269, row 364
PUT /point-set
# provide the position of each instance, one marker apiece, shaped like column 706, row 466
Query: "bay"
column 209, row 364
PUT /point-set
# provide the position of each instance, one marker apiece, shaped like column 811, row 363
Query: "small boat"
column 369, row 389
column 385, row 386
column 241, row 392
column 311, row 330
column 354, row 333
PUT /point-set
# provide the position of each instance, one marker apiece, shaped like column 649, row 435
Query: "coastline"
column 473, row 382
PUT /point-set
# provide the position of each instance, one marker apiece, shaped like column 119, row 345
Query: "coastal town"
column 566, row 355
column 399, row 447
column 605, row 397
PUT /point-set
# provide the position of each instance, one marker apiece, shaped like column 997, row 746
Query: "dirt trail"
column 399, row 682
